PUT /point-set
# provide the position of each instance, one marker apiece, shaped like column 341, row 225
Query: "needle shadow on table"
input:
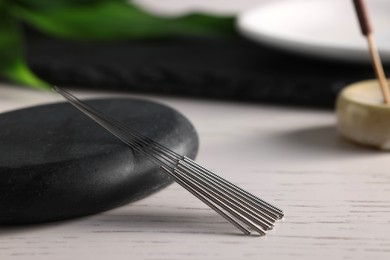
column 133, row 219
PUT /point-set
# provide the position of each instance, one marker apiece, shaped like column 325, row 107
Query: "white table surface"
column 336, row 195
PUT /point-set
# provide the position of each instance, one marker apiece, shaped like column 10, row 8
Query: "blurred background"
column 181, row 48
column 215, row 6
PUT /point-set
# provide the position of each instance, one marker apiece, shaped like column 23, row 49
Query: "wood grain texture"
column 336, row 195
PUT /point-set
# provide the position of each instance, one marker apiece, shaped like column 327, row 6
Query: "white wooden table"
column 336, row 195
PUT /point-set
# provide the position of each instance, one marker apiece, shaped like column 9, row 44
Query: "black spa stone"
column 55, row 163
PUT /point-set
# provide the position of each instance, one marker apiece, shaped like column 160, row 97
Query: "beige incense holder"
column 362, row 116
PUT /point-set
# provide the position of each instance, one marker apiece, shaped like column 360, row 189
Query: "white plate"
column 323, row 28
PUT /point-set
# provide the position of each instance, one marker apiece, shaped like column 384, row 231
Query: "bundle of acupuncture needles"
column 242, row 209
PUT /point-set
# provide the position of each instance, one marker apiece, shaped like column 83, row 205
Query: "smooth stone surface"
column 362, row 117
column 55, row 163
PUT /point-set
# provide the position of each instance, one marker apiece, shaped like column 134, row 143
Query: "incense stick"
column 366, row 29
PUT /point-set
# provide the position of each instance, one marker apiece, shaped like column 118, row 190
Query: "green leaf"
column 88, row 20
column 108, row 20
column 12, row 63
